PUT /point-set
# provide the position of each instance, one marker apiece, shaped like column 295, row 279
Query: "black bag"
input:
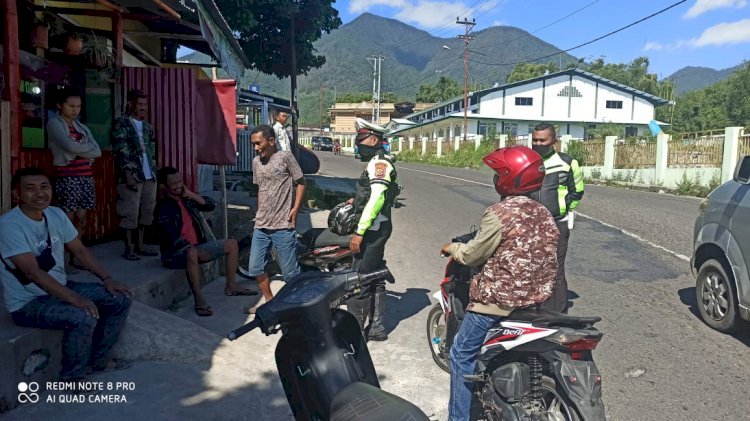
column 45, row 260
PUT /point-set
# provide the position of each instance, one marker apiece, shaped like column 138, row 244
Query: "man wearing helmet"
column 516, row 245
column 376, row 192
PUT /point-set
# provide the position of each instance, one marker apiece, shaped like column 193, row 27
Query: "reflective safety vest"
column 562, row 189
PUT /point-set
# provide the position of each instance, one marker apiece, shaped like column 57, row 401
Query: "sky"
column 708, row 33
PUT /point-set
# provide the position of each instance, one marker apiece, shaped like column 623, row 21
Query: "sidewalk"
column 184, row 366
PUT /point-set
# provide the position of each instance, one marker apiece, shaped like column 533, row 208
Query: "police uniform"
column 561, row 193
column 375, row 195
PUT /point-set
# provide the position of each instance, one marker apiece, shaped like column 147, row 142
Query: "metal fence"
column 703, row 149
column 638, row 155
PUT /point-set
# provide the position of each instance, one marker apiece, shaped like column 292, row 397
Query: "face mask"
column 366, row 153
column 542, row 150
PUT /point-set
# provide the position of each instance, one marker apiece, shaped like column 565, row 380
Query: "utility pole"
column 466, row 37
column 321, row 108
column 376, row 61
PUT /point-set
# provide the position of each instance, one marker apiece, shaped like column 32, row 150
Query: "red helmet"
column 519, row 170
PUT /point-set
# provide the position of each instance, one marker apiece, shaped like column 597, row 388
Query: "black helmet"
column 342, row 220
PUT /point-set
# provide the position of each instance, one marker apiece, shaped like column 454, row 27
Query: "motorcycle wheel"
column 243, row 261
column 436, row 331
column 557, row 406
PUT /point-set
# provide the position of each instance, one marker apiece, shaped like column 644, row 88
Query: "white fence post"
column 731, row 150
column 400, row 144
column 411, row 143
column 609, row 156
column 477, row 141
column 440, row 146
column 564, row 142
column 424, row 145
column 456, row 143
column 503, row 141
column 662, row 157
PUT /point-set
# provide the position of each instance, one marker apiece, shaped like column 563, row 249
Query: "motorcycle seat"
column 546, row 317
column 322, row 237
column 361, row 401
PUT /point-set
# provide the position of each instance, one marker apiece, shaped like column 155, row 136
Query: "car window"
column 743, row 170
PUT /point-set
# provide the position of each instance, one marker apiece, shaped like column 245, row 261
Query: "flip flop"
column 204, row 311
column 132, row 256
column 115, row 364
column 253, row 309
column 243, row 292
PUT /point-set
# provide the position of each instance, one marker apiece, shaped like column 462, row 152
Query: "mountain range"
column 414, row 57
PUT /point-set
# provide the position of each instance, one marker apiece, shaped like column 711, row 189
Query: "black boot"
column 376, row 331
column 360, row 308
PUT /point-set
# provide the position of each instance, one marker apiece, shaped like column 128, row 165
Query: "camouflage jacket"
column 517, row 242
column 126, row 146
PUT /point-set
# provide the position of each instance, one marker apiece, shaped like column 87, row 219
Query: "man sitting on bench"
column 184, row 243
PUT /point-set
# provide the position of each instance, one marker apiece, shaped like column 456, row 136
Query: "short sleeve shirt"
column 21, row 234
column 275, row 180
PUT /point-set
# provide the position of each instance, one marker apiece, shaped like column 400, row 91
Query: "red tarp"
column 215, row 119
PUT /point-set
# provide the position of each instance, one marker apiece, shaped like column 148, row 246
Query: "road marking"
column 626, row 232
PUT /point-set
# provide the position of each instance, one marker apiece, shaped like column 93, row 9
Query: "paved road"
column 658, row 359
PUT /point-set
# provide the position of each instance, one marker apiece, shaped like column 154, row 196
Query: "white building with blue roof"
column 574, row 100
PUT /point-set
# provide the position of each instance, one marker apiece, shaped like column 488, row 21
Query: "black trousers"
column 559, row 299
column 371, row 252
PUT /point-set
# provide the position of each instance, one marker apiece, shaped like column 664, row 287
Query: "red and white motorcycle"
column 534, row 365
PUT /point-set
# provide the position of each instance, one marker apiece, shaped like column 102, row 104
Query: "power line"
column 401, row 88
column 587, row 42
column 552, row 23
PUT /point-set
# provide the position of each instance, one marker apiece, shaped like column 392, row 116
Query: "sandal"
column 244, row 292
column 204, row 311
column 130, row 255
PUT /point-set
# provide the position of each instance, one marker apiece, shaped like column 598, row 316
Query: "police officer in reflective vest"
column 376, row 193
column 561, row 193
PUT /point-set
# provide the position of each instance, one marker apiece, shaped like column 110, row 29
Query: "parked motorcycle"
column 322, row 357
column 318, row 249
column 534, row 364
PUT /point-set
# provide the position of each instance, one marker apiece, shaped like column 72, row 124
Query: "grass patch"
column 463, row 158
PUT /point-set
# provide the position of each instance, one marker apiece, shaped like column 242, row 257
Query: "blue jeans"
column 285, row 242
column 86, row 341
column 466, row 346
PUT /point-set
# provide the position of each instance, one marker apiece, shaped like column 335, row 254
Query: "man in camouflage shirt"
column 134, row 145
column 516, row 245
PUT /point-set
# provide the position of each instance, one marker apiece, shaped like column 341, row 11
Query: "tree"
column 356, row 97
column 263, row 29
column 525, row 71
column 445, row 89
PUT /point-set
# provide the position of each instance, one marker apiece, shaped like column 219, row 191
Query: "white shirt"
column 147, row 173
column 282, row 140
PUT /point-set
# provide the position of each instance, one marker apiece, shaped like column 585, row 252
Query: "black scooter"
column 322, row 357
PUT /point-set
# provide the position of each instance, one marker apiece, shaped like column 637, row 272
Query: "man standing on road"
column 281, row 191
column 376, row 193
column 516, row 245
column 561, row 193
column 279, row 128
column 134, row 145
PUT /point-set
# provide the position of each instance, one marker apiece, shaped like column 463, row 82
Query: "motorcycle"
column 318, row 249
column 534, row 364
column 336, row 148
column 322, row 357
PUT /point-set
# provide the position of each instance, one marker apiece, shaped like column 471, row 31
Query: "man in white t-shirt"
column 36, row 290
column 282, row 138
column 134, row 145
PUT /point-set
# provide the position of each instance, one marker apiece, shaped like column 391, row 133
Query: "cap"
column 365, row 127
